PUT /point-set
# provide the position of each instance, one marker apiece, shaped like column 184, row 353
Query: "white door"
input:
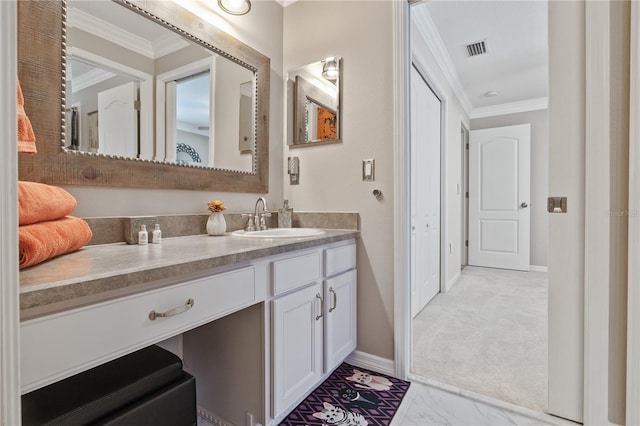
column 297, row 345
column 340, row 313
column 499, row 190
column 425, row 193
column 118, row 120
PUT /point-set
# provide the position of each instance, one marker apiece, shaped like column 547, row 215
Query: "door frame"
column 464, row 199
column 402, row 322
column 9, row 277
column 633, row 303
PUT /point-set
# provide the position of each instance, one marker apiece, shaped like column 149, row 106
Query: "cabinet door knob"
column 172, row 312
column 524, row 205
column 335, row 299
column 321, row 307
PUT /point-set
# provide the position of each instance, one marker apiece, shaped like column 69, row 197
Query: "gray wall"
column 330, row 175
column 539, row 173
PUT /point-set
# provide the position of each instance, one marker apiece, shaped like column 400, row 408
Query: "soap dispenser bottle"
column 143, row 235
column 285, row 216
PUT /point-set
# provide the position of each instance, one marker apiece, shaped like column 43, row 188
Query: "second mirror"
column 314, row 96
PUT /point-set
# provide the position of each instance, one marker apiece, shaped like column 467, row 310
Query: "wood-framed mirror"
column 314, row 92
column 42, row 71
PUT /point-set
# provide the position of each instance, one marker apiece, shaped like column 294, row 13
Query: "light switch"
column 368, row 170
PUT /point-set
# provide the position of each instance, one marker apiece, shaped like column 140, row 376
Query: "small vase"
column 216, row 225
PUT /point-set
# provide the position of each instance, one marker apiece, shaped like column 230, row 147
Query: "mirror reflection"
column 315, row 92
column 136, row 89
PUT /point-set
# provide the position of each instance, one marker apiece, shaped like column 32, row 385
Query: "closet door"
column 425, row 193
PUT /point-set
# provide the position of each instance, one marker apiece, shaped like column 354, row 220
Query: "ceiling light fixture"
column 235, row 7
column 330, row 69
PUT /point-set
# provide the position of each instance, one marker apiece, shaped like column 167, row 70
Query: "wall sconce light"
column 330, row 69
column 235, row 7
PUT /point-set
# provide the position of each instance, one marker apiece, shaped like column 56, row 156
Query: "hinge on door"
column 136, row 105
column 466, row 243
column 466, row 194
column 467, row 146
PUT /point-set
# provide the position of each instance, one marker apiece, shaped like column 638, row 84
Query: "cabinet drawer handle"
column 321, row 307
column 335, row 299
column 172, row 312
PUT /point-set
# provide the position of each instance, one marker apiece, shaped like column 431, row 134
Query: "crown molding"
column 89, row 79
column 168, row 43
column 164, row 45
column 510, row 108
column 89, row 23
column 431, row 37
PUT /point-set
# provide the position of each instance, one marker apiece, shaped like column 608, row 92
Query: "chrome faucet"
column 259, row 218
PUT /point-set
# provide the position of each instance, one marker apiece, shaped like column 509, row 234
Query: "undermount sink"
column 279, row 233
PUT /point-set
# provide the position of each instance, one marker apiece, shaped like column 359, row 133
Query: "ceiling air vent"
column 477, row 48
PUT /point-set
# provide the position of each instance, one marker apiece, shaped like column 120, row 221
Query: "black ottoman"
column 147, row 387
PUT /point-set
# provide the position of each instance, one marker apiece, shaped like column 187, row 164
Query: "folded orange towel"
column 38, row 202
column 45, row 240
column 26, row 137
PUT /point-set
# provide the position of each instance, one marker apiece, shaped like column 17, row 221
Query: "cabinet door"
column 340, row 318
column 297, row 345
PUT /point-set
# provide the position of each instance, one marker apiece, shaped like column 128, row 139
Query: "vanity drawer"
column 339, row 259
column 295, row 272
column 60, row 345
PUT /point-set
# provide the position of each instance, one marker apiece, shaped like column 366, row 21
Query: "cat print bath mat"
column 351, row 396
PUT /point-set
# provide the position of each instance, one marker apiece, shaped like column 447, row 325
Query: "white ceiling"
column 516, row 62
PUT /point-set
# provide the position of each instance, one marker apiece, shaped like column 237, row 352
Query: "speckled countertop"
column 100, row 272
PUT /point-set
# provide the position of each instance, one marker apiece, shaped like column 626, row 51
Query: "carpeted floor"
column 488, row 334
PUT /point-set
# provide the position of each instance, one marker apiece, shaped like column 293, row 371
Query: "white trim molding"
column 401, row 221
column 452, row 281
column 597, row 233
column 510, row 108
column 372, row 362
column 431, row 37
column 9, row 277
column 633, row 295
column 91, row 24
column 538, row 268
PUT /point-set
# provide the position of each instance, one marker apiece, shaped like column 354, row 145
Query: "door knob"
column 524, row 205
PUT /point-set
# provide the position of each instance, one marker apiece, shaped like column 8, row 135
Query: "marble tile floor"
column 436, row 404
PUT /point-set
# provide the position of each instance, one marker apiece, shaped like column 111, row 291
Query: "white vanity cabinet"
column 59, row 345
column 314, row 325
column 280, row 322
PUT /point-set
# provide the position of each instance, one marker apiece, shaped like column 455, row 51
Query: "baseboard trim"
column 452, row 281
column 372, row 362
column 536, row 268
column 212, row 418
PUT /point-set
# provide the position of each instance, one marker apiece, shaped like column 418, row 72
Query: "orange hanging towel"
column 26, row 137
